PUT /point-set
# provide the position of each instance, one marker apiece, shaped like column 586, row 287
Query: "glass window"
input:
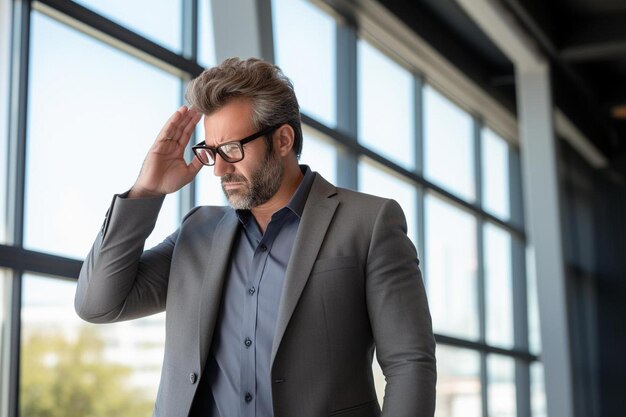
column 90, row 125
column 5, row 61
column 498, row 286
column 158, row 20
column 448, row 145
column 458, row 383
column 113, row 369
column 495, row 174
column 450, row 274
column 385, row 106
column 380, row 383
column 537, row 391
column 319, row 153
column 208, row 187
column 206, row 40
column 4, row 166
column 5, row 305
column 501, row 391
column 534, row 329
column 304, row 47
column 3, row 293
column 376, row 180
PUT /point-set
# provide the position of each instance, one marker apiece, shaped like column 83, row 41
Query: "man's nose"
column 221, row 167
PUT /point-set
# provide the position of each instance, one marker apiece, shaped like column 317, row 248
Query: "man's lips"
column 229, row 185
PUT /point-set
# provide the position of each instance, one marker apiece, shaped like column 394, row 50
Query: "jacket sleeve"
column 400, row 318
column 119, row 280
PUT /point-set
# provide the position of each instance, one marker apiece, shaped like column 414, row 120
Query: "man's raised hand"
column 165, row 170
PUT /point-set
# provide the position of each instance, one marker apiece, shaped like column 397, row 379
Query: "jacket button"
column 193, row 378
column 248, row 342
column 248, row 397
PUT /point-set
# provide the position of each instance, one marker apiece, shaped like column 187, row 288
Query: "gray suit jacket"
column 352, row 284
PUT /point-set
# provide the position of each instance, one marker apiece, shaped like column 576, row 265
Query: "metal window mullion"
column 480, row 255
column 17, row 173
column 481, row 286
column 17, row 258
column 520, row 325
column 518, row 253
column 483, row 347
column 266, row 30
column 17, row 121
column 480, row 262
column 484, row 380
column 14, row 343
column 190, row 29
column 418, row 114
column 522, row 388
column 484, row 383
column 186, row 196
column 516, row 202
column 520, row 287
column 6, row 392
column 346, row 79
column 421, row 230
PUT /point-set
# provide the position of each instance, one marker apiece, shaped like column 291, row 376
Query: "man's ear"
column 284, row 138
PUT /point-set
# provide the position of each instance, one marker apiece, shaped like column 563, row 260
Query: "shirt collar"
column 298, row 199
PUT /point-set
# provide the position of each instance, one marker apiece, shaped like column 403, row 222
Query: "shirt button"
column 263, row 248
column 248, row 342
column 248, row 397
column 251, row 291
column 192, row 378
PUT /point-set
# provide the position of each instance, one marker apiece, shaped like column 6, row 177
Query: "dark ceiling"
column 585, row 41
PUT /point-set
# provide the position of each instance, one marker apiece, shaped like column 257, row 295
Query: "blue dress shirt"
column 237, row 378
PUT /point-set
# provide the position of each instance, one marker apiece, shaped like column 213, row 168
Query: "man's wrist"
column 138, row 192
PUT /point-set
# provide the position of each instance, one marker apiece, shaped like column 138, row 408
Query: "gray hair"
column 270, row 91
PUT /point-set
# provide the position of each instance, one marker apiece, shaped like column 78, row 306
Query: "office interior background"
column 498, row 125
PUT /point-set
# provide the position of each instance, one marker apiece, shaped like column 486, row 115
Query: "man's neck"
column 291, row 180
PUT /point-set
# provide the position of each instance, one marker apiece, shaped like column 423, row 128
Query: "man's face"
column 255, row 179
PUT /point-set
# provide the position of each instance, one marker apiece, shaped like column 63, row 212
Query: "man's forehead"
column 225, row 129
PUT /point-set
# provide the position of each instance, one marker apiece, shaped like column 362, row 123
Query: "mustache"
column 227, row 178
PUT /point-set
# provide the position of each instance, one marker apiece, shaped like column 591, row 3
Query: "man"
column 273, row 307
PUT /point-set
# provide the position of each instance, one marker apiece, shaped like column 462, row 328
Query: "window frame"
column 185, row 65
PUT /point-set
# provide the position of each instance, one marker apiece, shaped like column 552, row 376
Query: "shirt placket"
column 251, row 311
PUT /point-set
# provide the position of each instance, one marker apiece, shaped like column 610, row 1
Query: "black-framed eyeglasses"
column 229, row 151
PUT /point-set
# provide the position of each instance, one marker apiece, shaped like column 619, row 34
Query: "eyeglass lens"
column 231, row 152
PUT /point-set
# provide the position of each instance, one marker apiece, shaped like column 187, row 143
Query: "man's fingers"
column 169, row 129
column 170, row 126
column 179, row 127
column 195, row 164
column 188, row 130
column 182, row 123
column 193, row 168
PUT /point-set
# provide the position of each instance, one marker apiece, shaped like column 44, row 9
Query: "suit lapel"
column 211, row 292
column 316, row 217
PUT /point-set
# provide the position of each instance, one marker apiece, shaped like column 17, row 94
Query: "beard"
column 262, row 185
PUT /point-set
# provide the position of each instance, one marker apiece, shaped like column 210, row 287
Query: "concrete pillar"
column 242, row 28
column 545, row 255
